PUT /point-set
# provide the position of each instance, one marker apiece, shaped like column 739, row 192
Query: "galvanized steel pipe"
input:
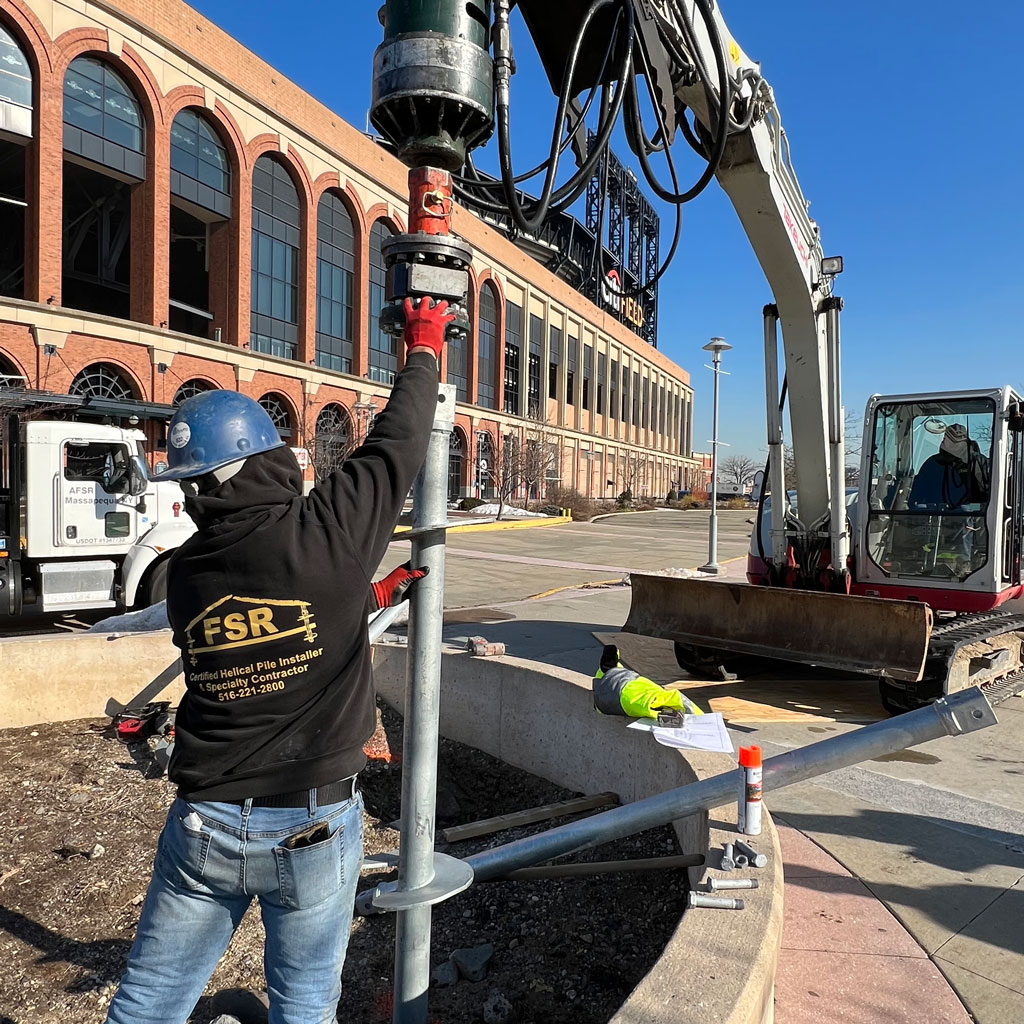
column 422, row 692
column 967, row 711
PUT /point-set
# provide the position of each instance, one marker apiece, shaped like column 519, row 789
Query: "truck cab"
column 76, row 500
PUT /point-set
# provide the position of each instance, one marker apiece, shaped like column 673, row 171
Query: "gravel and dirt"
column 80, row 814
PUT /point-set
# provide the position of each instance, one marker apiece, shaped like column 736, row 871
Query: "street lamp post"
column 716, row 347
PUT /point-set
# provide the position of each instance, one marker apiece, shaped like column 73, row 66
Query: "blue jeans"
column 212, row 859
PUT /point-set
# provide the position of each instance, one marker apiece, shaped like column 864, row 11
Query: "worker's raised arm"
column 367, row 491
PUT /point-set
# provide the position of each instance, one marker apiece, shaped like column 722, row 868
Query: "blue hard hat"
column 214, row 429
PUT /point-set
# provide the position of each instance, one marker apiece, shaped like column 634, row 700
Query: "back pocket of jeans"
column 308, row 875
column 181, row 854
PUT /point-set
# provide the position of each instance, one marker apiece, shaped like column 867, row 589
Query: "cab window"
column 97, row 462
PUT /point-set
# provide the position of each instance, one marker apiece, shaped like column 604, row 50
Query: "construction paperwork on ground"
column 698, row 732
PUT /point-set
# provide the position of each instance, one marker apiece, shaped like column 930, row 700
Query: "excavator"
column 913, row 576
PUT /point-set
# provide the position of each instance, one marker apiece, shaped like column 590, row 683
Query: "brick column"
column 151, row 233
column 44, row 193
column 306, row 348
column 240, row 298
column 361, row 307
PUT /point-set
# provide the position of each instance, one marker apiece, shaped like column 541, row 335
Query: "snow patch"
column 507, row 511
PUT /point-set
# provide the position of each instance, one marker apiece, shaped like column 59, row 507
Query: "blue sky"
column 905, row 134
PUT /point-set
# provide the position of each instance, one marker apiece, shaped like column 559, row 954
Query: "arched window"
column 9, row 375
column 15, row 87
column 487, row 353
column 200, row 207
column 101, row 380
column 275, row 259
column 104, row 133
column 332, row 440
column 335, row 272
column 100, row 108
column 15, row 134
column 277, row 409
column 456, row 461
column 190, row 388
column 383, row 347
column 200, row 172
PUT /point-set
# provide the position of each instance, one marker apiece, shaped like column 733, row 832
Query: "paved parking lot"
column 509, row 565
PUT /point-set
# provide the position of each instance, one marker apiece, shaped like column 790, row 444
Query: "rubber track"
column 948, row 637
column 1003, row 689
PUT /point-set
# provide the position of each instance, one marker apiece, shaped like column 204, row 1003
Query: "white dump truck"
column 82, row 525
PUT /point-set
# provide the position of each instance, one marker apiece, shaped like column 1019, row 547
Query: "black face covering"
column 265, row 481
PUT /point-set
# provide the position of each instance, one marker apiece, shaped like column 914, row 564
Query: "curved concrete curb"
column 719, row 967
column 498, row 524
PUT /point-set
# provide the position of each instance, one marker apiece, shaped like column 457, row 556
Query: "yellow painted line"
column 605, row 583
column 504, row 524
column 574, row 586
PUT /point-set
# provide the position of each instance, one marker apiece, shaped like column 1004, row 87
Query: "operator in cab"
column 268, row 602
column 955, row 476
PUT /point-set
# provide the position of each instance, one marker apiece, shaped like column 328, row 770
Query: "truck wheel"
column 155, row 589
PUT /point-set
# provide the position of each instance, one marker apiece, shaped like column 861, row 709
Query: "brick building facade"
column 176, row 215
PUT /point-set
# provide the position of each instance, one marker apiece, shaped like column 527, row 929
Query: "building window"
column 625, row 394
column 335, row 274
column 485, row 468
column 456, row 461
column 200, row 172
column 570, row 370
column 15, row 134
column 102, row 120
column 513, row 363
column 189, row 389
column 277, row 409
column 588, row 373
column 662, row 410
column 645, row 415
column 636, row 400
column 383, row 347
column 487, row 356
column 275, row 260
column 458, row 367
column 331, row 440
column 200, row 206
column 103, row 130
column 613, row 391
column 101, row 380
column 554, row 360
column 602, row 376
column 533, row 367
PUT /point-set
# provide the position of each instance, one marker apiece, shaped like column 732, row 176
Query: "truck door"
column 94, row 507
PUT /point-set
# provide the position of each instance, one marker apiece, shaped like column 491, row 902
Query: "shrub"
column 581, row 507
column 672, row 496
column 625, row 499
column 736, row 503
column 468, row 504
column 690, row 502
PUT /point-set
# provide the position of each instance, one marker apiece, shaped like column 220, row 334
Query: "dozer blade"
column 852, row 634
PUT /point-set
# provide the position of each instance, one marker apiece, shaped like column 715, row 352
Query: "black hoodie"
column 268, row 602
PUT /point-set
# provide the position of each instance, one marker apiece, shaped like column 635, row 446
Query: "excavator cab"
column 939, row 517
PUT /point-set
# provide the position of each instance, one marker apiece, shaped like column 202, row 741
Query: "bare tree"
column 328, row 434
column 738, row 469
column 540, row 457
column 505, row 469
column 633, row 471
column 853, row 446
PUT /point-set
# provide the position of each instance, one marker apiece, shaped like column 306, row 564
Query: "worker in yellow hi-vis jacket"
column 621, row 691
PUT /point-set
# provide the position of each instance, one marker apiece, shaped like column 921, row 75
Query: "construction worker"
column 268, row 602
column 621, row 691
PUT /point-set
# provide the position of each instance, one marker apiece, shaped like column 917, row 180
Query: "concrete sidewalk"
column 844, row 956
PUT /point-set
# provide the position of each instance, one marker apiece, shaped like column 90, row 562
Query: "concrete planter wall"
column 719, row 967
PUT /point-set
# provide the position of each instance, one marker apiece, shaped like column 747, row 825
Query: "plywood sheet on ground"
column 797, row 695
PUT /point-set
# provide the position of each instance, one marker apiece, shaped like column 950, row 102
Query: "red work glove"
column 425, row 324
column 393, row 588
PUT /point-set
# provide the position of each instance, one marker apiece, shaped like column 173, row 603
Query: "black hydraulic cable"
column 548, row 197
column 492, row 186
column 721, row 126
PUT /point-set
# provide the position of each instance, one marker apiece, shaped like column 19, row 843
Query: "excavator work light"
column 832, row 265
